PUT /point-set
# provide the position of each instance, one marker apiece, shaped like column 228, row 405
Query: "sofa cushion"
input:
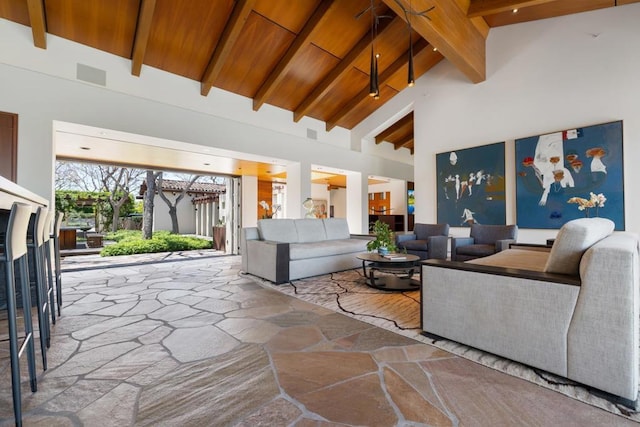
column 278, row 230
column 336, row 228
column 476, row 250
column 573, row 239
column 310, row 230
column 326, row 248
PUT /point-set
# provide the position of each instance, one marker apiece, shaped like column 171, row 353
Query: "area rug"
column 346, row 292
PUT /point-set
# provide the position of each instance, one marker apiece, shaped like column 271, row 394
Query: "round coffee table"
column 401, row 269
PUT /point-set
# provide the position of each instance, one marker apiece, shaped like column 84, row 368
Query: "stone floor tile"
column 213, row 392
column 280, row 412
column 173, row 312
column 130, row 363
column 300, row 373
column 91, row 360
column 105, row 326
column 154, row 372
column 390, row 354
column 217, row 306
column 198, row 320
column 116, row 408
column 144, row 307
column 192, row 344
column 295, row 339
column 412, row 405
column 78, row 395
column 249, row 330
column 360, row 401
column 155, row 336
column 117, row 309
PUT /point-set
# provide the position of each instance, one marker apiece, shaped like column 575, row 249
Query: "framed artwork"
column 471, row 186
column 320, row 209
column 552, row 168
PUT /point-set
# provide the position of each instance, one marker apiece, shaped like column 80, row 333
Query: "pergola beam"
column 229, row 37
column 449, row 29
column 143, row 29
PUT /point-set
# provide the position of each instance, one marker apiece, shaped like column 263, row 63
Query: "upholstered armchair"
column 427, row 241
column 483, row 240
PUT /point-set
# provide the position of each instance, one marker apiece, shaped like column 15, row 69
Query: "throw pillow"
column 573, row 239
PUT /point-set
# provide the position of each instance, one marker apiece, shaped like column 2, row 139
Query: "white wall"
column 542, row 76
column 185, row 212
column 339, row 202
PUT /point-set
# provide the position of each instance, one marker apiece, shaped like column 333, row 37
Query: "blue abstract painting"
column 552, row 168
column 471, row 186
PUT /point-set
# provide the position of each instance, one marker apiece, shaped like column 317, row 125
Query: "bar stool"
column 15, row 251
column 48, row 264
column 35, row 242
column 55, row 237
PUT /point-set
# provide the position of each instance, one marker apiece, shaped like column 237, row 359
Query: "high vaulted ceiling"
column 311, row 57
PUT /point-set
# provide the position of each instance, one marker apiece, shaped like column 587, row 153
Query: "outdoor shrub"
column 131, row 242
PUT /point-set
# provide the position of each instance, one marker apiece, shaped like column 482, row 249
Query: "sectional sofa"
column 571, row 310
column 280, row 250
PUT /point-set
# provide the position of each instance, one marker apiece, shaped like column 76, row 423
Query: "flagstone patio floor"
column 191, row 341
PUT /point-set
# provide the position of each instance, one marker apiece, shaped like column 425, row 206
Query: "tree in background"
column 173, row 213
column 149, row 196
column 115, row 181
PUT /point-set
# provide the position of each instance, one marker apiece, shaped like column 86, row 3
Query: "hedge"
column 130, row 242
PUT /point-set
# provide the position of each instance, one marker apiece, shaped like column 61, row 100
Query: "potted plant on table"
column 385, row 240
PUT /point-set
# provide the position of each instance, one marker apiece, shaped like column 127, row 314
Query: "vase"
column 383, row 251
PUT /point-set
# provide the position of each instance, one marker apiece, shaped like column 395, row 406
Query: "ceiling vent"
column 312, row 134
column 91, row 75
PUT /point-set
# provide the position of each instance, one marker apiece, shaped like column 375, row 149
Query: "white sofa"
column 572, row 310
column 280, row 250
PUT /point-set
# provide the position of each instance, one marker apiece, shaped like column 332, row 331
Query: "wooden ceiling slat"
column 38, row 23
column 334, row 76
column 451, row 32
column 230, row 36
column 309, row 67
column 405, row 142
column 491, row 7
column 276, row 76
column 363, row 95
column 253, row 57
column 143, row 29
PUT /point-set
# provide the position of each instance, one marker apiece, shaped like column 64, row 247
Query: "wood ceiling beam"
column 451, row 31
column 38, row 22
column 491, row 7
column 143, row 29
column 363, row 96
column 340, row 70
column 406, row 121
column 278, row 73
column 229, row 37
column 403, row 142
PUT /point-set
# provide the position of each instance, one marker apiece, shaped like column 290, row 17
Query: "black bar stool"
column 35, row 242
column 55, row 237
column 48, row 265
column 15, row 252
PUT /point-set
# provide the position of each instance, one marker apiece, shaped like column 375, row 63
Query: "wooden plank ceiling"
column 311, row 57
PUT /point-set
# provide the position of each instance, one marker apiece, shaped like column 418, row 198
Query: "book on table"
column 395, row 256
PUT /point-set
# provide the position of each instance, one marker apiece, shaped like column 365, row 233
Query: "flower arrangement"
column 268, row 212
column 595, row 201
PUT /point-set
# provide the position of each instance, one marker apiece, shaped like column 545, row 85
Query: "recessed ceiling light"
column 435, row 49
column 85, row 148
column 207, row 164
column 515, row 10
column 267, row 171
